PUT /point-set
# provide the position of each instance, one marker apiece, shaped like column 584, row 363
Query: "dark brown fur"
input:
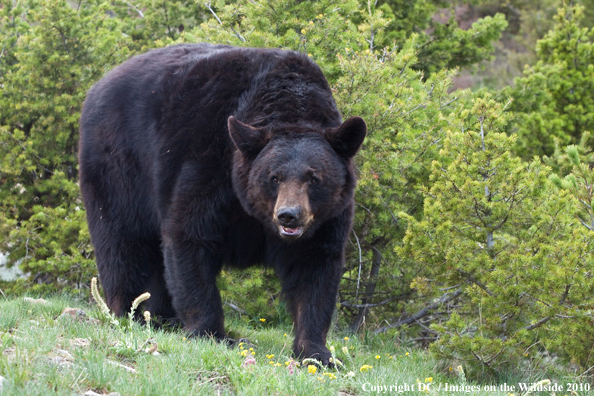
column 175, row 185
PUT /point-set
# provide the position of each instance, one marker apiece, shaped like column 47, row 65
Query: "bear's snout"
column 289, row 216
column 289, row 221
column 292, row 213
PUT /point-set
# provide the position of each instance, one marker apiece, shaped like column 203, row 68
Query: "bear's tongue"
column 291, row 231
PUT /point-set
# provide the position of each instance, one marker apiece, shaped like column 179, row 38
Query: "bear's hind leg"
column 129, row 267
column 123, row 218
column 159, row 305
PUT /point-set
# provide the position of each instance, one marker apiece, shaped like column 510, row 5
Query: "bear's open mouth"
column 291, row 232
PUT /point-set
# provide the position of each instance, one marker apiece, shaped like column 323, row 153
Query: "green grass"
column 48, row 355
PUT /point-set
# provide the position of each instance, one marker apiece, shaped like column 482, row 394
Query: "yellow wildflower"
column 365, row 368
column 251, row 349
column 346, row 338
column 312, row 369
column 430, row 379
column 269, row 356
column 278, row 364
column 253, row 353
column 406, row 354
column 377, row 356
column 243, row 353
column 285, row 334
column 330, row 375
column 262, row 320
column 271, row 362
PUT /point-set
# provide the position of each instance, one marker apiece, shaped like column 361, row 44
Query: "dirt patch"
column 80, row 342
column 79, row 315
column 61, row 358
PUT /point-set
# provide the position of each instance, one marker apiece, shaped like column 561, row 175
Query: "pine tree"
column 52, row 54
column 439, row 44
column 553, row 101
column 499, row 233
column 578, row 339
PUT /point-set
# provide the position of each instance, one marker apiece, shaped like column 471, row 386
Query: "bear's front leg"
column 191, row 271
column 193, row 249
column 310, row 273
column 311, row 289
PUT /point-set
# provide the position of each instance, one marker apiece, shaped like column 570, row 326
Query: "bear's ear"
column 249, row 140
column 347, row 138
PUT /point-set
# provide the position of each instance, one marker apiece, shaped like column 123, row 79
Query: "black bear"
column 195, row 156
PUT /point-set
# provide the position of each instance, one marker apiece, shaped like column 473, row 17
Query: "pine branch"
column 423, row 312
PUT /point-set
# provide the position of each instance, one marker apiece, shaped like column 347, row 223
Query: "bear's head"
column 295, row 178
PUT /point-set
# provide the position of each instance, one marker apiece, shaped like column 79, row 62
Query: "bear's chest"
column 245, row 239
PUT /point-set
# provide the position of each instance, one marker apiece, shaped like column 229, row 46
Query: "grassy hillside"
column 46, row 353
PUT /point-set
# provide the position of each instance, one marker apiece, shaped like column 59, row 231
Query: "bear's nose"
column 288, row 216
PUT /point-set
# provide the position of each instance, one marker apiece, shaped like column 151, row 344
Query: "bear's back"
column 169, row 85
column 167, row 109
column 139, row 86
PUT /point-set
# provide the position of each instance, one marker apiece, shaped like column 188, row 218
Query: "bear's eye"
column 314, row 180
column 275, row 180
